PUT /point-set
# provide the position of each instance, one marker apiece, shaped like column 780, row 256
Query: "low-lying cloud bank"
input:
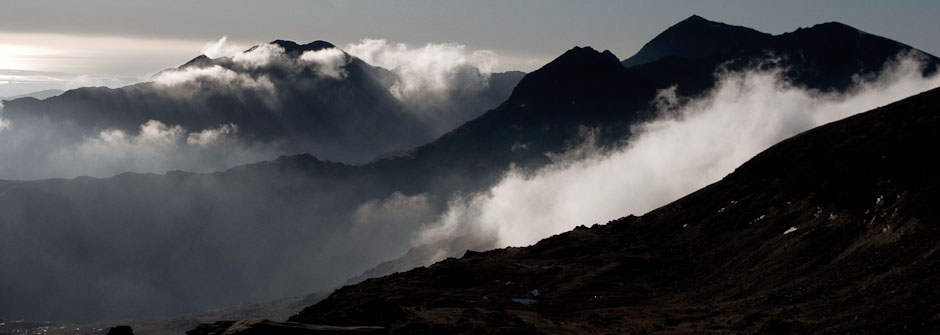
column 37, row 150
column 693, row 143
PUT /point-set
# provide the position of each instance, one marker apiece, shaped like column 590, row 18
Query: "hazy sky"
column 111, row 42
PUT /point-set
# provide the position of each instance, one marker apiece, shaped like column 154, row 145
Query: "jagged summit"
column 694, row 38
column 579, row 51
column 291, row 47
column 582, row 55
column 199, row 61
column 579, row 72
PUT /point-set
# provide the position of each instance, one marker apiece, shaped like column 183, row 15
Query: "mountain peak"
column 570, row 72
column 583, row 81
column 694, row 38
column 696, row 19
column 582, row 55
column 199, row 61
column 294, row 49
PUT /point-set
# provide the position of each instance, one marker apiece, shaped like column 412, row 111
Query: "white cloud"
column 222, row 48
column 212, row 136
column 4, row 123
column 329, row 62
column 393, row 212
column 259, row 56
column 154, row 137
column 695, row 143
column 38, row 150
column 432, row 68
column 216, row 74
column 158, row 147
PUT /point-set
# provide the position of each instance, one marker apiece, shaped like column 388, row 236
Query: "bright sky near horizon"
column 57, row 44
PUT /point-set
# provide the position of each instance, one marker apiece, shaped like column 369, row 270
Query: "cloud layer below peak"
column 693, row 143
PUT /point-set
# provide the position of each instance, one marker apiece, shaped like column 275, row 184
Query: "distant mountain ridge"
column 35, row 95
column 290, row 103
column 828, row 57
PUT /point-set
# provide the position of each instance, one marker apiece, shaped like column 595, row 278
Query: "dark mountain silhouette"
column 827, row 57
column 829, row 231
column 293, row 49
column 695, row 38
column 294, row 224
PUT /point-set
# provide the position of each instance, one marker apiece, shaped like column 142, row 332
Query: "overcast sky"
column 112, row 42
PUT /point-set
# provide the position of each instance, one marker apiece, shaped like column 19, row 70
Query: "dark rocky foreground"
column 832, row 231
column 260, row 327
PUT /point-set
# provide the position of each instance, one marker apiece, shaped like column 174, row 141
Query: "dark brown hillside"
column 832, row 231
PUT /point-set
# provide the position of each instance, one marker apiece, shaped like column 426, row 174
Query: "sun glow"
column 16, row 57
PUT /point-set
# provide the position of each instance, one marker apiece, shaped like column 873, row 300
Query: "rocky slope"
column 831, row 231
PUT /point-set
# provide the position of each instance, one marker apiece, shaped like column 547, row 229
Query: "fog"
column 431, row 69
column 694, row 142
column 436, row 81
column 43, row 149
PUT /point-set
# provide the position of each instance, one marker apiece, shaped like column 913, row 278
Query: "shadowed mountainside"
column 546, row 114
column 830, row 231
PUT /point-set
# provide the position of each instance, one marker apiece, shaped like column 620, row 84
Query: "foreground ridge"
column 833, row 230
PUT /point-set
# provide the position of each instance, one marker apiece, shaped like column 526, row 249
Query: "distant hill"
column 297, row 98
column 36, row 95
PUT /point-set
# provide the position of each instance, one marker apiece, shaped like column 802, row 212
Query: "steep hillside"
column 830, row 231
